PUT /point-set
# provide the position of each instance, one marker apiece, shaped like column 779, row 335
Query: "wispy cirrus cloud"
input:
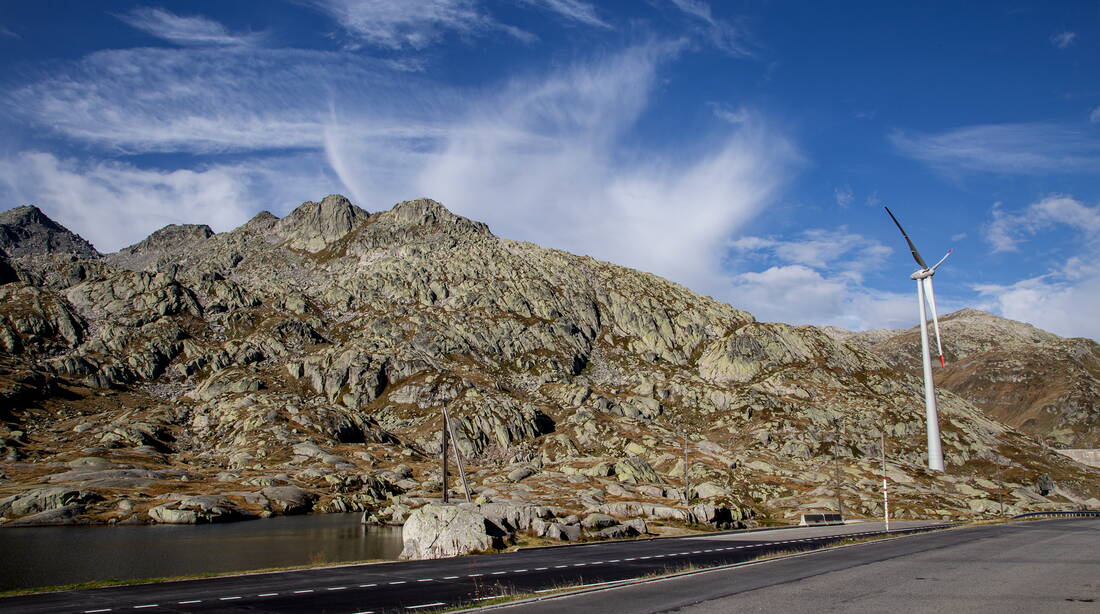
column 398, row 24
column 1034, row 148
column 545, row 156
column 725, row 35
column 1063, row 39
column 573, row 10
column 186, row 30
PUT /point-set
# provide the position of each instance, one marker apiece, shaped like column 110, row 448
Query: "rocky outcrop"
column 26, row 231
column 314, row 226
column 163, row 249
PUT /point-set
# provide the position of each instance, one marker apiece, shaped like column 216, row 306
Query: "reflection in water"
column 64, row 555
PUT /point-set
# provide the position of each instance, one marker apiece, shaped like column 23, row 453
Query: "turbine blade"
column 937, row 265
column 927, row 281
column 912, row 248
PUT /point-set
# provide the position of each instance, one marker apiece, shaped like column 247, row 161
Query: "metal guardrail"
column 1071, row 514
column 812, row 520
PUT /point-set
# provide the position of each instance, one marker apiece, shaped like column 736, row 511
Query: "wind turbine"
column 923, row 277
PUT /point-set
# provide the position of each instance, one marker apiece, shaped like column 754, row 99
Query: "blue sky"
column 744, row 149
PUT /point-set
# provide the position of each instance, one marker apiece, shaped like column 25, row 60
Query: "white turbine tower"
column 923, row 277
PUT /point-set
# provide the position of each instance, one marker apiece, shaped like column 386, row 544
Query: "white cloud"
column 735, row 116
column 1063, row 39
column 1060, row 300
column 397, row 24
column 844, row 196
column 229, row 99
column 183, row 30
column 817, row 278
column 1094, row 116
column 1036, row 148
column 8, row 33
column 1007, row 230
column 574, row 10
column 723, row 34
column 114, row 205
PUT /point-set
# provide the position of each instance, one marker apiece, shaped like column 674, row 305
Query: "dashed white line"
column 579, row 564
column 398, row 582
column 630, row 559
column 267, row 594
column 308, row 590
column 336, row 588
column 92, row 611
column 518, row 570
column 191, row 601
column 487, row 598
column 425, row 605
column 148, row 605
column 475, row 575
column 560, row 566
column 613, row 561
column 450, row 577
column 497, row 573
column 540, row 569
column 425, row 579
column 367, row 585
column 227, row 598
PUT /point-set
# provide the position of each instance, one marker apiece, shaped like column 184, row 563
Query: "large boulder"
column 67, row 515
column 635, row 470
column 438, row 531
column 196, row 509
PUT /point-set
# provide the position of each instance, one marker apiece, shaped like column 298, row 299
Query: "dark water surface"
column 49, row 556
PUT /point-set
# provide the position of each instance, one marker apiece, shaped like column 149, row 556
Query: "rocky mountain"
column 27, row 230
column 1042, row 384
column 301, row 364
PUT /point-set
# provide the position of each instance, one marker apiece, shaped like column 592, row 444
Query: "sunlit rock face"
column 313, row 355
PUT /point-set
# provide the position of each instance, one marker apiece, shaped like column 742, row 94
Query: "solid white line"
column 424, row 605
column 227, row 598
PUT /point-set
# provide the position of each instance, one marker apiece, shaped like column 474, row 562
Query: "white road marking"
column 336, row 588
column 398, row 582
column 487, row 598
column 367, row 585
column 475, row 575
column 365, row 612
column 191, row 601
column 91, row 611
column 540, row 569
column 497, row 573
column 518, row 570
column 425, row 605
column 450, row 577
column 308, row 590
column 630, row 559
column 560, row 566
column 227, row 598
column 425, row 579
column 267, row 594
column 149, row 605
column 579, row 564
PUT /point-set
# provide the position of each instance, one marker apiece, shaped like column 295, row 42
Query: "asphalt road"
column 426, row 585
column 1025, row 567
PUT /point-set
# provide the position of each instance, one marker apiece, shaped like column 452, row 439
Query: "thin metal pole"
column 446, row 499
column 885, row 496
column 687, row 466
column 458, row 453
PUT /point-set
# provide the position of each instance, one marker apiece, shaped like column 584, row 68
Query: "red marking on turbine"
column 942, row 362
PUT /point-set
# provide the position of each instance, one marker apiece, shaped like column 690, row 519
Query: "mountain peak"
column 428, row 212
column 315, row 225
column 28, row 230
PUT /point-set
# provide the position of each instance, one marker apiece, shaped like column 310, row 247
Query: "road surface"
column 1024, row 567
column 425, row 585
